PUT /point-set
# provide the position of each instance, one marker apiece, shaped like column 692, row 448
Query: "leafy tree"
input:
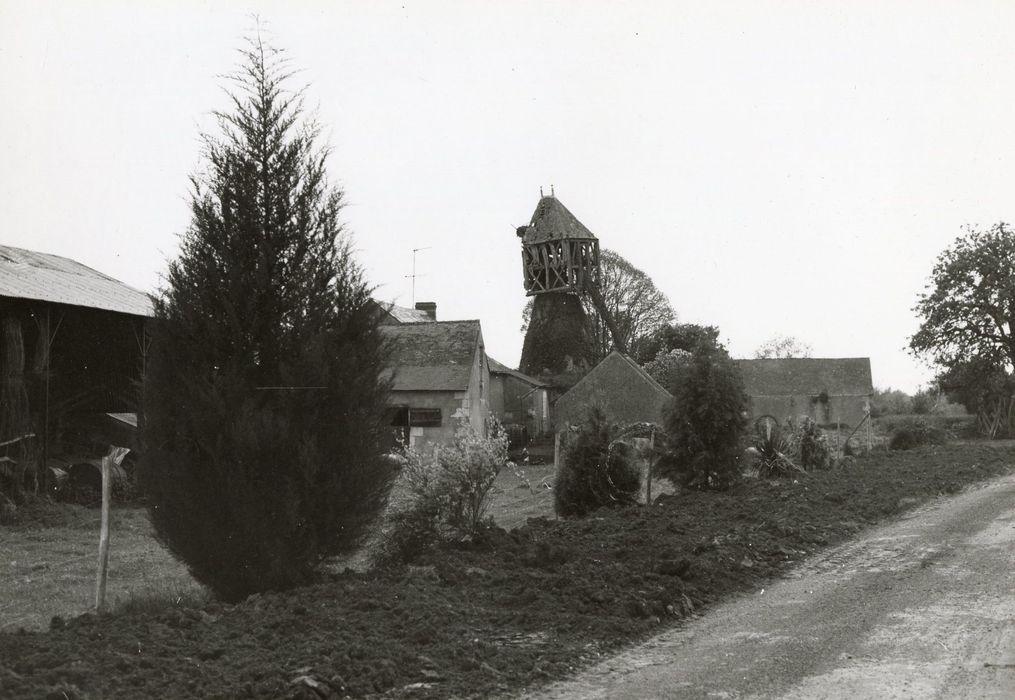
column 968, row 312
column 706, row 422
column 264, row 398
column 637, row 306
column 666, row 365
column 888, row 401
column 782, row 346
column 689, row 337
column 971, row 383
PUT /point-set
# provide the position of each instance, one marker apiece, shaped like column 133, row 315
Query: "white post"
column 100, row 583
column 115, row 456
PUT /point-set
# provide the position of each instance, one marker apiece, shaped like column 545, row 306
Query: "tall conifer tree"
column 264, row 394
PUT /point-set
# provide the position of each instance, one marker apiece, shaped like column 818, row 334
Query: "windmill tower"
column 560, row 263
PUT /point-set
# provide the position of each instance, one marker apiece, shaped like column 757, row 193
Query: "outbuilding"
column 625, row 392
column 829, row 390
column 72, row 348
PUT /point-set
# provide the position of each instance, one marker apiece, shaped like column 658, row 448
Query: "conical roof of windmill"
column 553, row 221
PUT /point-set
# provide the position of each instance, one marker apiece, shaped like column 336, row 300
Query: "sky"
column 777, row 168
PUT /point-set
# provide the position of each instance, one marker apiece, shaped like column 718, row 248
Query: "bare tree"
column 782, row 346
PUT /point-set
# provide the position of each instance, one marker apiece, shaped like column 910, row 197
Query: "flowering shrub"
column 454, row 482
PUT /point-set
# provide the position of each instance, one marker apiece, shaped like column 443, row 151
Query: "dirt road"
column 921, row 608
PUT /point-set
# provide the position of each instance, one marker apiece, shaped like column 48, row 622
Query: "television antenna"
column 414, row 275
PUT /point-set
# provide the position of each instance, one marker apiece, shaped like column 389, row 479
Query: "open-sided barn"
column 73, row 346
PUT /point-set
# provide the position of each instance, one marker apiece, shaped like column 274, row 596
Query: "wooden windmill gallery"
column 560, row 264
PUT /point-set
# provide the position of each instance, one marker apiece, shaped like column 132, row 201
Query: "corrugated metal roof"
column 26, row 274
column 850, row 376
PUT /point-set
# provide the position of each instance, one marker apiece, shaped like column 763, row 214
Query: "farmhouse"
column 625, row 392
column 73, row 345
column 440, row 368
column 517, row 398
column 826, row 389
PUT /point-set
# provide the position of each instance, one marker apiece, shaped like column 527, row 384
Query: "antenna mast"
column 414, row 275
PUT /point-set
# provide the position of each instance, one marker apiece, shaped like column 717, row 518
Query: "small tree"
column 706, row 423
column 595, row 470
column 264, row 401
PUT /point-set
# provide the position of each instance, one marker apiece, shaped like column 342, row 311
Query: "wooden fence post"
column 115, row 456
column 651, row 462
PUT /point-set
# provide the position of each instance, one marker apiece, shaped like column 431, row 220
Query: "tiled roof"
column 500, row 368
column 26, row 274
column 807, row 376
column 404, row 314
column 625, row 391
column 433, row 356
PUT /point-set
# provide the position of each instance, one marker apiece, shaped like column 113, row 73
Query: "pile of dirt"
column 509, row 610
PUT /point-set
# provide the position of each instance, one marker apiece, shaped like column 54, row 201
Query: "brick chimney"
column 429, row 308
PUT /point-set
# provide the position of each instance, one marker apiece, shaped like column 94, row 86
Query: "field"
column 510, row 610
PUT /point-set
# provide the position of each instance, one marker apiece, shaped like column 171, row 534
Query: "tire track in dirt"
column 922, row 607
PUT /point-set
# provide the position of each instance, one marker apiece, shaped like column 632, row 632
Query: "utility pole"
column 414, row 275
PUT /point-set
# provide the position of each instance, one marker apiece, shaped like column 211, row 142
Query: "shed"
column 625, row 391
column 438, row 368
column 829, row 390
column 517, row 398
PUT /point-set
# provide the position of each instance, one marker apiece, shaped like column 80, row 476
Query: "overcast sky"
column 776, row 167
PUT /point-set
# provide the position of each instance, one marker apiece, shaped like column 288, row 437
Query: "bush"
column 452, row 486
column 706, row 422
column 264, row 397
column 595, row 470
column 775, row 449
column 916, row 433
column 813, row 446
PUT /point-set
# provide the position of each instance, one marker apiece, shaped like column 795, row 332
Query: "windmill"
column 560, row 264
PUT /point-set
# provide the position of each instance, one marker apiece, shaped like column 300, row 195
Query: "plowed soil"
column 508, row 611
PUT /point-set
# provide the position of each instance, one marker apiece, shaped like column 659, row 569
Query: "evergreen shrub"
column 264, row 397
column 706, row 423
column 595, row 470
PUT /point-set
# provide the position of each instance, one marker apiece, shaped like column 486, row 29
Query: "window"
column 425, row 417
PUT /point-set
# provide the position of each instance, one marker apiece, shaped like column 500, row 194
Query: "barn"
column 73, row 348
column 829, row 390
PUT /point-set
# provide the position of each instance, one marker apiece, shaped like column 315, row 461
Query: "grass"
column 49, row 560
